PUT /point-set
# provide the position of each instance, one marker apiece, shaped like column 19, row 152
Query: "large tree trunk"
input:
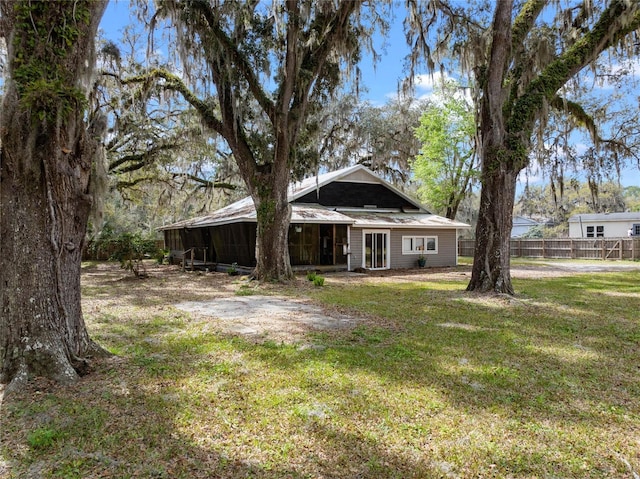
column 492, row 255
column 46, row 157
column 491, row 268
column 273, row 214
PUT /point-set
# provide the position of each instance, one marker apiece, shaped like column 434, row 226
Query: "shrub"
column 318, row 280
column 311, row 275
column 131, row 249
column 233, row 269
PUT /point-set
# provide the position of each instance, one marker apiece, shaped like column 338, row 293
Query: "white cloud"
column 424, row 86
column 427, row 81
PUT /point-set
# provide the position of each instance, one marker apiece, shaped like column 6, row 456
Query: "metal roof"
column 244, row 210
column 404, row 220
column 305, row 213
column 628, row 216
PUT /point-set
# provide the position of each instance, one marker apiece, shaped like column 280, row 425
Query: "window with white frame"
column 419, row 245
column 595, row 231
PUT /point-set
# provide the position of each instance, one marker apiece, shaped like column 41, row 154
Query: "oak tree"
column 48, row 147
column 520, row 60
column 262, row 71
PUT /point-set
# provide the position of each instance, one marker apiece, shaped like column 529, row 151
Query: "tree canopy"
column 521, row 55
column 446, row 165
column 256, row 73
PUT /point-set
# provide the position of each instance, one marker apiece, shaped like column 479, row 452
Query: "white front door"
column 376, row 249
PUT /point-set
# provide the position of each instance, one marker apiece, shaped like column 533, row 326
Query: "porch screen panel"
column 235, row 243
column 304, row 244
column 341, row 244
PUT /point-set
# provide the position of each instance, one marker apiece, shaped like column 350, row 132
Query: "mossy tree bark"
column 45, row 165
column 514, row 98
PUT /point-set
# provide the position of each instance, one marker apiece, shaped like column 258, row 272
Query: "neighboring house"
column 604, row 225
column 522, row 225
column 346, row 219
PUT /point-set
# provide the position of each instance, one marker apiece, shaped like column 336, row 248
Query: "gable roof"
column 244, row 209
column 524, row 221
column 356, row 174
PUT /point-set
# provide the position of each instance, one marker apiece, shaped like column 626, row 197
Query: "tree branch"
column 314, row 60
column 577, row 113
column 524, row 22
column 618, row 19
column 139, row 160
column 174, row 83
column 238, row 60
column 203, row 183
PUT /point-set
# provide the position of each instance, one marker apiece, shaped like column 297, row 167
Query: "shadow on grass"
column 436, row 383
column 133, row 417
column 121, row 433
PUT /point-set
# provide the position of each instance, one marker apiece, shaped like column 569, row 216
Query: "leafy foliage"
column 576, row 197
column 130, row 249
column 520, row 60
column 159, row 156
column 446, row 165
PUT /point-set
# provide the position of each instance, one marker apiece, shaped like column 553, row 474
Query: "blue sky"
column 380, row 81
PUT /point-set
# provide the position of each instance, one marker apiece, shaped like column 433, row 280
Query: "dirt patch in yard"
column 259, row 315
column 259, row 312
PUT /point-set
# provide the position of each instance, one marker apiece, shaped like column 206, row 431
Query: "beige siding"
column 360, row 176
column 447, row 248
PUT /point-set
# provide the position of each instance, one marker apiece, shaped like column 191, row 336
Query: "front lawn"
column 434, row 382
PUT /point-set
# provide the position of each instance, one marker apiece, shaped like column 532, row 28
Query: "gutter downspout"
column 581, row 229
column 348, row 247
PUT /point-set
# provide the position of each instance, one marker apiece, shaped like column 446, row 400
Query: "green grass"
column 436, row 382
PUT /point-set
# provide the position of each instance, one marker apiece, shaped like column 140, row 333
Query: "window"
column 595, row 231
column 636, row 230
column 419, row 245
column 376, row 251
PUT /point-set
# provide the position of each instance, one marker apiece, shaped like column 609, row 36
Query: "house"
column 604, row 225
column 522, row 225
column 346, row 219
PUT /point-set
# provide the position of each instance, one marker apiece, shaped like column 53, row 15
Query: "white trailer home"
column 604, row 225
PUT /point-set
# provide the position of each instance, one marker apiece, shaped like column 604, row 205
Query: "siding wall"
column 361, row 176
column 612, row 229
column 447, row 248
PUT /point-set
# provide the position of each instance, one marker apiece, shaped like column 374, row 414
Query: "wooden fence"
column 573, row 248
